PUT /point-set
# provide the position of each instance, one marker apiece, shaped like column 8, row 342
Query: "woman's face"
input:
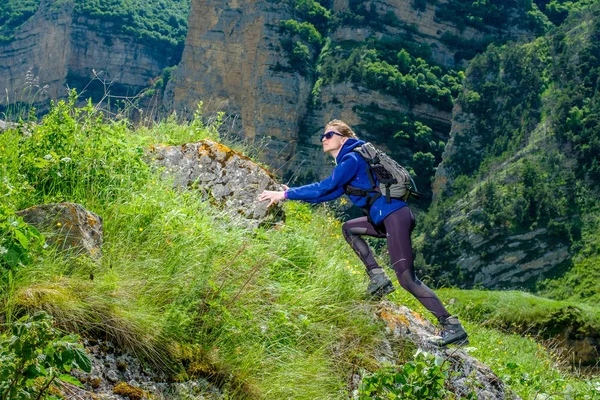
column 332, row 143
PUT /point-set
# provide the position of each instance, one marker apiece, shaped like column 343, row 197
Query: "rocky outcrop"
column 68, row 225
column 118, row 375
column 493, row 259
column 57, row 49
column 221, row 175
column 232, row 62
column 467, row 374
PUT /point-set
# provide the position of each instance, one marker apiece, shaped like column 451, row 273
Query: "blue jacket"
column 351, row 169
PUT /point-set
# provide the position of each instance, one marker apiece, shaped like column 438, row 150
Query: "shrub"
column 419, row 379
column 34, row 358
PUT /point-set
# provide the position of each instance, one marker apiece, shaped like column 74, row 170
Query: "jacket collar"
column 348, row 146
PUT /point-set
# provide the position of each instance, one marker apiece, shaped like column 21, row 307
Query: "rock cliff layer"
column 230, row 63
column 57, row 49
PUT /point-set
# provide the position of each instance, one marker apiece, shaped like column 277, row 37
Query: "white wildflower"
column 48, row 157
column 66, row 159
column 3, row 250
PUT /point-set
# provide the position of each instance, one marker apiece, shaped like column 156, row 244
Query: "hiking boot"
column 379, row 284
column 452, row 332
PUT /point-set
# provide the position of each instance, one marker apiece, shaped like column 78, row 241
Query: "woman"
column 391, row 220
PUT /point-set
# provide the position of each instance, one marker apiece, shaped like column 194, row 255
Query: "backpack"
column 394, row 180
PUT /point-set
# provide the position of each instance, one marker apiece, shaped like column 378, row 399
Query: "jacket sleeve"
column 328, row 189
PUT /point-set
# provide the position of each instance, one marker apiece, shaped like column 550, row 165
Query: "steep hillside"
column 184, row 294
column 518, row 183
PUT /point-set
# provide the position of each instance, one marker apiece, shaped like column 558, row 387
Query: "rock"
column 112, row 376
column 107, row 381
column 58, row 48
column 228, row 178
column 467, row 373
column 69, row 225
column 4, row 126
column 233, row 61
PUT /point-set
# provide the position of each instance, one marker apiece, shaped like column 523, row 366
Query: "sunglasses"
column 329, row 135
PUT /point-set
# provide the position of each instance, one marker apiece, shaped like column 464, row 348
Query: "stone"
column 221, row 175
column 466, row 372
column 68, row 225
column 4, row 126
column 112, row 376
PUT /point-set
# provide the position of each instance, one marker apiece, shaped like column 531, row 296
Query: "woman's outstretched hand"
column 272, row 196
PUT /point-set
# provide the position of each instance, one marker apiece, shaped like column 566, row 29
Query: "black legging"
column 397, row 228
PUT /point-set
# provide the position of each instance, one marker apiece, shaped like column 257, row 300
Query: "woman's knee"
column 347, row 231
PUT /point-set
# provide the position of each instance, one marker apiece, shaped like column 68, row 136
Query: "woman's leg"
column 353, row 230
column 379, row 283
column 399, row 226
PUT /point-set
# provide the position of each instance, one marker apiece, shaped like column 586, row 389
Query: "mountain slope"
column 518, row 181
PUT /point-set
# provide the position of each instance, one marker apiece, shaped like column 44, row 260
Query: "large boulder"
column 467, row 373
column 226, row 177
column 69, row 225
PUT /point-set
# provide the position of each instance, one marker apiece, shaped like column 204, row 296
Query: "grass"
column 264, row 313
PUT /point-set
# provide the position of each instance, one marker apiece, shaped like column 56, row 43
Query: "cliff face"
column 56, row 49
column 235, row 61
column 230, row 63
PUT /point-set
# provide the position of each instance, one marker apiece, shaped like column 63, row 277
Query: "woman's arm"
column 328, row 189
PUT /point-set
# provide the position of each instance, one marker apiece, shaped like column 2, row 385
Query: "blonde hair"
column 343, row 127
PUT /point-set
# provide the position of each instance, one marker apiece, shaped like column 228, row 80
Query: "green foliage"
column 312, row 11
column 557, row 11
column 303, row 37
column 14, row 13
column 36, row 357
column 421, row 378
column 19, row 242
column 163, row 22
column 73, row 150
column 489, row 13
column 305, row 30
column 394, row 72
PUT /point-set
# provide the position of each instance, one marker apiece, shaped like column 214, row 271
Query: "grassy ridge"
column 272, row 314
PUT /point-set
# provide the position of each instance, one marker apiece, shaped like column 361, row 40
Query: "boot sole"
column 459, row 341
column 385, row 290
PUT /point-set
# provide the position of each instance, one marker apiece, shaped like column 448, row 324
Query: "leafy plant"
column 418, row 379
column 18, row 240
column 35, row 357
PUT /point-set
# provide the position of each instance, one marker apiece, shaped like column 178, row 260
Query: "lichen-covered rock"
column 69, row 225
column 467, row 373
column 228, row 178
